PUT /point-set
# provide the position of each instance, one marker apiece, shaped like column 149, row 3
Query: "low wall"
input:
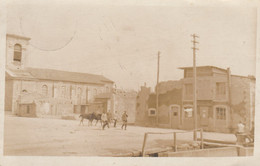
column 216, row 152
column 246, row 151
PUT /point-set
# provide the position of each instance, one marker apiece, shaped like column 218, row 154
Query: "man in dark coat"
column 124, row 119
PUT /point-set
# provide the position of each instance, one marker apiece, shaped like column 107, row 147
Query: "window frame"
column 220, row 89
column 63, row 91
column 149, row 112
column 17, row 56
column 171, row 110
column 45, row 90
column 220, row 113
column 186, row 112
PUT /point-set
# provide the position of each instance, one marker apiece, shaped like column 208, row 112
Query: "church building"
column 39, row 92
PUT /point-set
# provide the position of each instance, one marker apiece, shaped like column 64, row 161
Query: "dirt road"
column 56, row 137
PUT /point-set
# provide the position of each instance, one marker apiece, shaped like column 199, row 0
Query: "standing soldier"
column 115, row 118
column 104, row 120
column 124, row 119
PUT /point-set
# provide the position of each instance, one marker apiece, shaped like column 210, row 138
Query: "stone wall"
column 125, row 101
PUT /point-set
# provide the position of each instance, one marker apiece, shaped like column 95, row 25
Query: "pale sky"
column 121, row 41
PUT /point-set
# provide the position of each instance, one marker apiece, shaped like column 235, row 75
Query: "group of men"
column 105, row 120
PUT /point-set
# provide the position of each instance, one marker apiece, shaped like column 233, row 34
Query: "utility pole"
column 157, row 90
column 194, row 36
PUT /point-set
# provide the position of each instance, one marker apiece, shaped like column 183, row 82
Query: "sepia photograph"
column 125, row 79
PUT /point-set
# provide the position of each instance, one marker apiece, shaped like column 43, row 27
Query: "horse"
column 96, row 117
column 89, row 116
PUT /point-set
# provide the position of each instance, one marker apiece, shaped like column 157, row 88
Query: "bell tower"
column 16, row 51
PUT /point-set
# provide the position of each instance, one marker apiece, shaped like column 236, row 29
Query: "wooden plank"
column 157, row 150
column 143, row 148
column 175, row 142
column 225, row 145
column 217, row 141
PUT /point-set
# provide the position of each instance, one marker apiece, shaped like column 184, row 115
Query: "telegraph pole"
column 194, row 36
column 157, row 89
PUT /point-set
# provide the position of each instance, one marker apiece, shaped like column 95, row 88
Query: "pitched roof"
column 17, row 36
column 58, row 75
column 19, row 74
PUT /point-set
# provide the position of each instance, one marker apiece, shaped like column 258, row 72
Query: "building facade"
column 125, row 101
column 46, row 92
column 222, row 101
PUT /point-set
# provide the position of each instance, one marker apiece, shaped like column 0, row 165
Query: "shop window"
column 152, row 112
column 220, row 113
column 220, row 88
column 188, row 111
column 17, row 53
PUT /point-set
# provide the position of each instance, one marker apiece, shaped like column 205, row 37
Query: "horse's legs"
column 81, row 121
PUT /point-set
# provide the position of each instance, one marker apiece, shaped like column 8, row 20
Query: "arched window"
column 63, row 91
column 55, row 92
column 79, row 94
column 87, row 95
column 45, row 90
column 17, row 53
column 95, row 92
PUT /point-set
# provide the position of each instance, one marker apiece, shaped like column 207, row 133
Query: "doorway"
column 175, row 116
column 82, row 109
column 204, row 116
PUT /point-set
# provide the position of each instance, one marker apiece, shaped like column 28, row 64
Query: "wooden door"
column 204, row 116
column 175, row 116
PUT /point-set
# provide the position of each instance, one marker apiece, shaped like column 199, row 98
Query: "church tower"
column 16, row 51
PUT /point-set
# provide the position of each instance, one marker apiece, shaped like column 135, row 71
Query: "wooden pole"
column 194, row 85
column 201, row 138
column 143, row 148
column 174, row 142
column 157, row 90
